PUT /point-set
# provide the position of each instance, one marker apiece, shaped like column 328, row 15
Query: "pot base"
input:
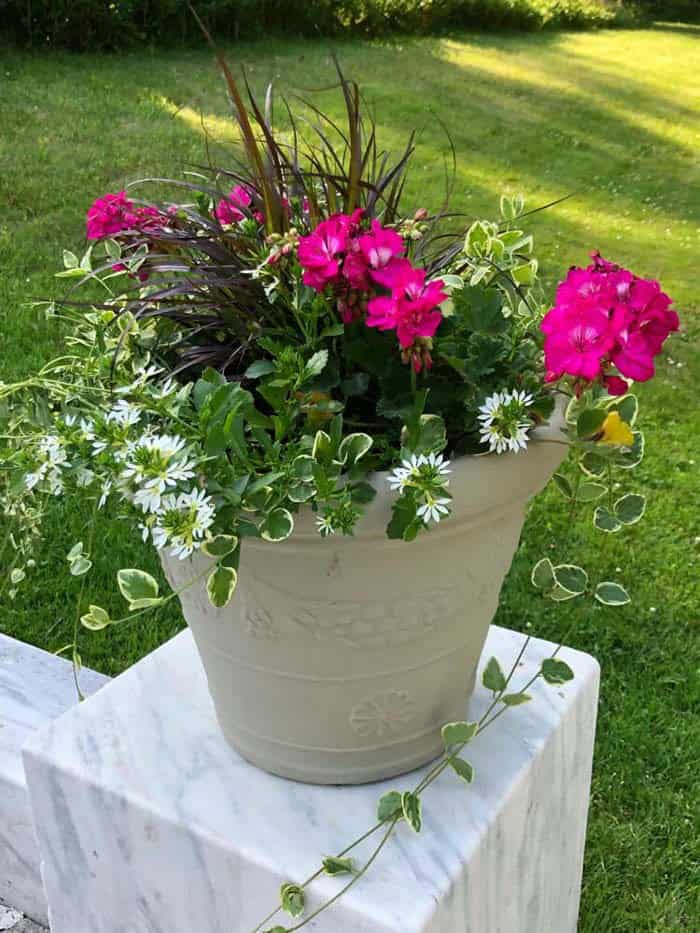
column 341, row 766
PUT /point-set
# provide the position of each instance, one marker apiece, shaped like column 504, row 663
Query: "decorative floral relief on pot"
column 383, row 714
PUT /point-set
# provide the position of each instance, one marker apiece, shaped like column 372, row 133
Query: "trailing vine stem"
column 486, row 720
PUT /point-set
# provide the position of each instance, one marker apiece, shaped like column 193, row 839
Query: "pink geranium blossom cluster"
column 605, row 317
column 341, row 255
column 112, row 214
column 236, row 206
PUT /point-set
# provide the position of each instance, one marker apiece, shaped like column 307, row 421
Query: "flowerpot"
column 339, row 659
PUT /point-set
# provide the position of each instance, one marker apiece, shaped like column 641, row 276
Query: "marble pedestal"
column 35, row 687
column 149, row 823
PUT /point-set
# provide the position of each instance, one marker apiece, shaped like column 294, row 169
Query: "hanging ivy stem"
column 487, row 718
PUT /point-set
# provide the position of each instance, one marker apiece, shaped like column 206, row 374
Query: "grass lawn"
column 613, row 116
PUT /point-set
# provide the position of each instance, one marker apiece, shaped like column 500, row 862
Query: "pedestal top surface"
column 151, row 739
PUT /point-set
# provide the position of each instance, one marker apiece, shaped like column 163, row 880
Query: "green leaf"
column 411, row 807
column 277, row 930
column 556, row 671
column 389, row 806
column 571, row 577
column 458, row 733
column 136, row 584
column 611, row 594
column 303, row 467
column 563, row 485
column 481, row 309
column 145, row 603
column 604, row 520
column 515, row 699
column 628, row 407
column 432, row 436
column 333, row 330
column 354, row 447
column 560, row 594
column 332, row 865
column 493, row 677
column 593, row 464
column 404, row 523
column 315, row 366
column 74, row 552
column 259, row 368
column 323, row 448
column 221, row 584
column 70, row 260
column 292, row 899
column 463, row 769
column 277, row 525
column 96, row 619
column 113, row 249
column 589, row 492
column 590, row 421
column 219, row 545
column 79, row 566
column 542, row 575
column 630, row 508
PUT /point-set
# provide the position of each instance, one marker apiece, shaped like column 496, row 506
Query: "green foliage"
column 389, row 806
column 411, row 807
column 332, row 865
column 458, row 733
column 221, row 585
column 462, row 769
column 83, row 24
column 493, row 677
column 556, row 671
column 292, row 899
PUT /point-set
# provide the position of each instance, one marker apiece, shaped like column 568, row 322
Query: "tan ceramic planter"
column 338, row 660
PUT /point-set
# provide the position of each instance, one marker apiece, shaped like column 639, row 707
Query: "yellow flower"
column 616, row 431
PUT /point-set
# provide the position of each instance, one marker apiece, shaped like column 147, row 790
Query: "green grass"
column 614, row 117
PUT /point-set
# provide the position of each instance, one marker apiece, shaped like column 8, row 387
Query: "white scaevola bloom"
column 504, row 421
column 53, row 459
column 156, row 463
column 433, row 510
column 84, row 477
column 325, row 525
column 106, row 490
column 124, row 413
column 183, row 521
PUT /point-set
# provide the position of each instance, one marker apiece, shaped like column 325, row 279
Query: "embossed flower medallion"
column 383, row 714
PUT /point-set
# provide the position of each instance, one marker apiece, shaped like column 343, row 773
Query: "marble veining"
column 35, row 687
column 149, row 822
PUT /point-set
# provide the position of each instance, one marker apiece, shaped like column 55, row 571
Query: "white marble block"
column 148, row 822
column 35, row 687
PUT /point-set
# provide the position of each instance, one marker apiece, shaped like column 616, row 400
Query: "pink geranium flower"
column 380, row 246
column 320, row 252
column 577, row 340
column 109, row 215
column 236, row 206
column 112, row 214
column 606, row 316
column 411, row 309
